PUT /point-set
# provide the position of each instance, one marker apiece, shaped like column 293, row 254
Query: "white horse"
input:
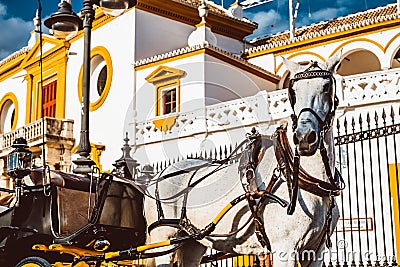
column 294, row 238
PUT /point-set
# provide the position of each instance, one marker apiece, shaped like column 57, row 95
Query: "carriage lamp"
column 65, row 24
column 19, row 163
column 19, row 160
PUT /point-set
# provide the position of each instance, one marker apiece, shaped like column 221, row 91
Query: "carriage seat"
column 71, row 196
column 61, row 179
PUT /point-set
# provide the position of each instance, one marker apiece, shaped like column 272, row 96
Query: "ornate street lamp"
column 65, row 24
column 19, row 163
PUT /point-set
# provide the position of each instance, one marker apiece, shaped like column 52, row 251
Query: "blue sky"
column 16, row 16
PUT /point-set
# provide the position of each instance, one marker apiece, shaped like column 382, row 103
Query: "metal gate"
column 368, row 232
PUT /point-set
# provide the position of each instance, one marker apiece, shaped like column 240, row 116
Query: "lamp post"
column 65, row 24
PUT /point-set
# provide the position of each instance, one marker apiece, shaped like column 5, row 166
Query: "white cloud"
column 15, row 33
column 3, row 9
column 268, row 21
column 323, row 15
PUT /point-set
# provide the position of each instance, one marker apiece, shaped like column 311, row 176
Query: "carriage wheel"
column 33, row 262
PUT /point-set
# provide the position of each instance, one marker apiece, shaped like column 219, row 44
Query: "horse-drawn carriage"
column 68, row 217
column 68, row 220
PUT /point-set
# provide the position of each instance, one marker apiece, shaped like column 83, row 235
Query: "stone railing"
column 355, row 90
column 219, row 117
column 372, row 87
column 33, row 133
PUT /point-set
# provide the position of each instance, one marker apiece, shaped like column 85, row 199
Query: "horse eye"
column 326, row 88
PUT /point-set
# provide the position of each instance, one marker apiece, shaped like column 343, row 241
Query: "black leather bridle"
column 314, row 71
column 336, row 180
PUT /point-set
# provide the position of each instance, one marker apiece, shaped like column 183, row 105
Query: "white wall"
column 16, row 85
column 107, row 123
column 226, row 82
column 380, row 43
column 157, row 35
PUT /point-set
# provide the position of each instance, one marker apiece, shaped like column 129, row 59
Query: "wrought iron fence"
column 368, row 232
column 367, row 155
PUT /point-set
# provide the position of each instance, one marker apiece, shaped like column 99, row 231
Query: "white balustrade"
column 33, row 132
column 372, row 87
column 222, row 116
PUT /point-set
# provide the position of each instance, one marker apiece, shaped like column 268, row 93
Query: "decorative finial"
column 236, row 10
column 126, row 166
column 36, row 20
column 36, row 32
column 203, row 11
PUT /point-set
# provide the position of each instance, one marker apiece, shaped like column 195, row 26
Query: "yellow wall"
column 394, row 189
column 54, row 68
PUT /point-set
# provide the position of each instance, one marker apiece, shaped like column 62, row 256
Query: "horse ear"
column 293, row 67
column 332, row 62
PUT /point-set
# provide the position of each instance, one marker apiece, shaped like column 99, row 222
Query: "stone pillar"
column 4, row 178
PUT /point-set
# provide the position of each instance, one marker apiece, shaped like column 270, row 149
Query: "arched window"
column 8, row 113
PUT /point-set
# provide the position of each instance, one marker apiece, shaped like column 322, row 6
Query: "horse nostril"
column 295, row 139
column 312, row 137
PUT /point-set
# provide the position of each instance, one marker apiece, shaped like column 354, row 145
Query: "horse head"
column 313, row 100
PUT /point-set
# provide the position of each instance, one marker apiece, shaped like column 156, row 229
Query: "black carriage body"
column 60, row 216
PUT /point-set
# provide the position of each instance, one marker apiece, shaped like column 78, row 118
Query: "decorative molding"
column 163, row 73
column 185, row 11
column 210, row 50
column 165, row 124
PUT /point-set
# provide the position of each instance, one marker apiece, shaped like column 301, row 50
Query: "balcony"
column 220, row 117
column 57, row 135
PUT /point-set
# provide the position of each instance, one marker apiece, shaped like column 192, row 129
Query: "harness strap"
column 258, row 223
column 306, row 182
column 338, row 181
column 295, row 183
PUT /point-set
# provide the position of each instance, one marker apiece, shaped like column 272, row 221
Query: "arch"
column 359, row 61
column 391, row 49
column 99, row 58
column 362, row 44
column 6, row 102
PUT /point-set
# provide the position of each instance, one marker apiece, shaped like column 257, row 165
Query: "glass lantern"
column 114, row 8
column 19, row 161
column 64, row 24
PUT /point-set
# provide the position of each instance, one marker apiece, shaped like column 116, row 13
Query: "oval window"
column 100, row 77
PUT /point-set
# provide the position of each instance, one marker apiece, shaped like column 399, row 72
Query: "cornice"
column 209, row 50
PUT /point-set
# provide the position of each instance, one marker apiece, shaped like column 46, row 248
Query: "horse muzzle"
column 306, row 139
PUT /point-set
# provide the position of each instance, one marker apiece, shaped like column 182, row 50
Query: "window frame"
column 50, row 103
column 161, row 90
column 95, row 71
